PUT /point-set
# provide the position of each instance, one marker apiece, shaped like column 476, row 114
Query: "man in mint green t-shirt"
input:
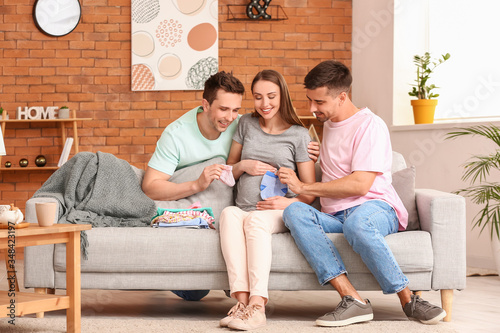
column 199, row 135
column 203, row 133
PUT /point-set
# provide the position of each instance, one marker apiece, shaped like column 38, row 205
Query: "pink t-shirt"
column 360, row 143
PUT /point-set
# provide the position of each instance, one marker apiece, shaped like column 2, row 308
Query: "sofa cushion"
column 179, row 250
column 153, row 250
column 403, row 182
column 288, row 258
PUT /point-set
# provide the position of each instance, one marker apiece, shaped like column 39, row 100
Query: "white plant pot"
column 63, row 113
column 495, row 246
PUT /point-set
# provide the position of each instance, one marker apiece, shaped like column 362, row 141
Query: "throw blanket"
column 99, row 189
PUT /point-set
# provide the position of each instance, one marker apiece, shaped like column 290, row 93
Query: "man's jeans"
column 364, row 227
column 191, row 295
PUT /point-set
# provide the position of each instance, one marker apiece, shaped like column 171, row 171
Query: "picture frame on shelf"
column 2, row 144
column 65, row 153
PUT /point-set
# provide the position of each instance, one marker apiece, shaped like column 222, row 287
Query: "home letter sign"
column 36, row 112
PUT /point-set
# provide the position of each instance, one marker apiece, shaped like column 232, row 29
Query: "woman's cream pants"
column 246, row 246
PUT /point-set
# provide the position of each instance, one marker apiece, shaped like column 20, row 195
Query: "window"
column 470, row 81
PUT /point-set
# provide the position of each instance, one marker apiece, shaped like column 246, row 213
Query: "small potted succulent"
column 2, row 115
column 424, row 106
column 63, row 112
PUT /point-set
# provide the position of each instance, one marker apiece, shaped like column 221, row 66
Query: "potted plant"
column 483, row 191
column 424, row 106
column 63, row 112
column 1, row 114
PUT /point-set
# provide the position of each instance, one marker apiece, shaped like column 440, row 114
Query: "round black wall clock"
column 57, row 17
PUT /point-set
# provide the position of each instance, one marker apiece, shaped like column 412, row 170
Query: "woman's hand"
column 256, row 168
column 274, row 203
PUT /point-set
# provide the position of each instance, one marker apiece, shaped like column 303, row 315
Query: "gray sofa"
column 433, row 258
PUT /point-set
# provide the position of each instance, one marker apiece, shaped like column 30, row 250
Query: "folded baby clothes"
column 198, row 218
column 271, row 186
column 227, row 176
column 197, row 223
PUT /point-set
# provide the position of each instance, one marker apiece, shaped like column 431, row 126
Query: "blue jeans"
column 191, row 295
column 364, row 227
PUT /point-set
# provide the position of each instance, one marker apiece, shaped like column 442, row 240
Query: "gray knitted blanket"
column 99, row 189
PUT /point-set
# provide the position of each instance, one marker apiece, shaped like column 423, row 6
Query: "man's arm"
column 157, row 186
column 356, row 184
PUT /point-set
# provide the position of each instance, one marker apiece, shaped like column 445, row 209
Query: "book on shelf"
column 65, row 153
column 2, row 145
column 313, row 134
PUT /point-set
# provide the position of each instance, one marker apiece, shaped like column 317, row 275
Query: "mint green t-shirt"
column 182, row 144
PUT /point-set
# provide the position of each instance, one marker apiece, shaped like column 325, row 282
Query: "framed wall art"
column 175, row 44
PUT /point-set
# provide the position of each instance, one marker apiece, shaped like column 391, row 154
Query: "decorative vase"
column 495, row 247
column 23, row 162
column 423, row 110
column 40, row 161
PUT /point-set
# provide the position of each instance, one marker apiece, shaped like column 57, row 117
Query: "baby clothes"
column 271, row 186
column 190, row 217
column 227, row 176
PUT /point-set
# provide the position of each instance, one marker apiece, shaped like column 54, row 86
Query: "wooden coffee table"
column 13, row 303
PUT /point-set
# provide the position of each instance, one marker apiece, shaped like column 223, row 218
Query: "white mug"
column 45, row 213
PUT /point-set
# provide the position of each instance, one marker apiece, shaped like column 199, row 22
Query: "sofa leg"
column 417, row 293
column 446, row 302
column 40, row 291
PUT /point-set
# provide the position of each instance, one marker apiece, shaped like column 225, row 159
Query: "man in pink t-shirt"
column 357, row 199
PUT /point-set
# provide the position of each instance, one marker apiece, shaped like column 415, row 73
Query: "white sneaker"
column 232, row 314
column 250, row 319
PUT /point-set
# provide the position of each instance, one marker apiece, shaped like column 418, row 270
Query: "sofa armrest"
column 443, row 216
column 39, row 260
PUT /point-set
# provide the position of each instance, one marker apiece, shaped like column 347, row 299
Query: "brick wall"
column 89, row 71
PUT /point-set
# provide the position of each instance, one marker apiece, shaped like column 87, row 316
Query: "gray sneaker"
column 418, row 309
column 349, row 311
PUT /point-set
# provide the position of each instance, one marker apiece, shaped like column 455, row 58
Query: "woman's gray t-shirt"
column 279, row 150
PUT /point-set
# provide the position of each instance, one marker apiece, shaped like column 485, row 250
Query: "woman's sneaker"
column 348, row 311
column 251, row 318
column 234, row 313
column 418, row 309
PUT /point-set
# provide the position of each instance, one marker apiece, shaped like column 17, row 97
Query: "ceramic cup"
column 45, row 213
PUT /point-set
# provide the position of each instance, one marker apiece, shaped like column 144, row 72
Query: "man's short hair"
column 331, row 74
column 222, row 80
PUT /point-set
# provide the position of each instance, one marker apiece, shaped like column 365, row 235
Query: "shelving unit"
column 238, row 13
column 62, row 125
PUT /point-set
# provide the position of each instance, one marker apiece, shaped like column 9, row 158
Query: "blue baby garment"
column 271, row 186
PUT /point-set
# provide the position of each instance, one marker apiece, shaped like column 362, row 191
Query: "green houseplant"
column 483, row 191
column 424, row 106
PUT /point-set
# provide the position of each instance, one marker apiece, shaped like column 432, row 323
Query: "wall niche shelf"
column 238, row 13
column 62, row 125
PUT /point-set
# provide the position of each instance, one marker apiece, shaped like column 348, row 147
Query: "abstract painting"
column 174, row 44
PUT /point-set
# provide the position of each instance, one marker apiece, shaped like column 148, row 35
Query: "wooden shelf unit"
column 62, row 125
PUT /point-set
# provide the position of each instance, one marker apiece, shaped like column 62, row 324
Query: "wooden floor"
column 475, row 309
